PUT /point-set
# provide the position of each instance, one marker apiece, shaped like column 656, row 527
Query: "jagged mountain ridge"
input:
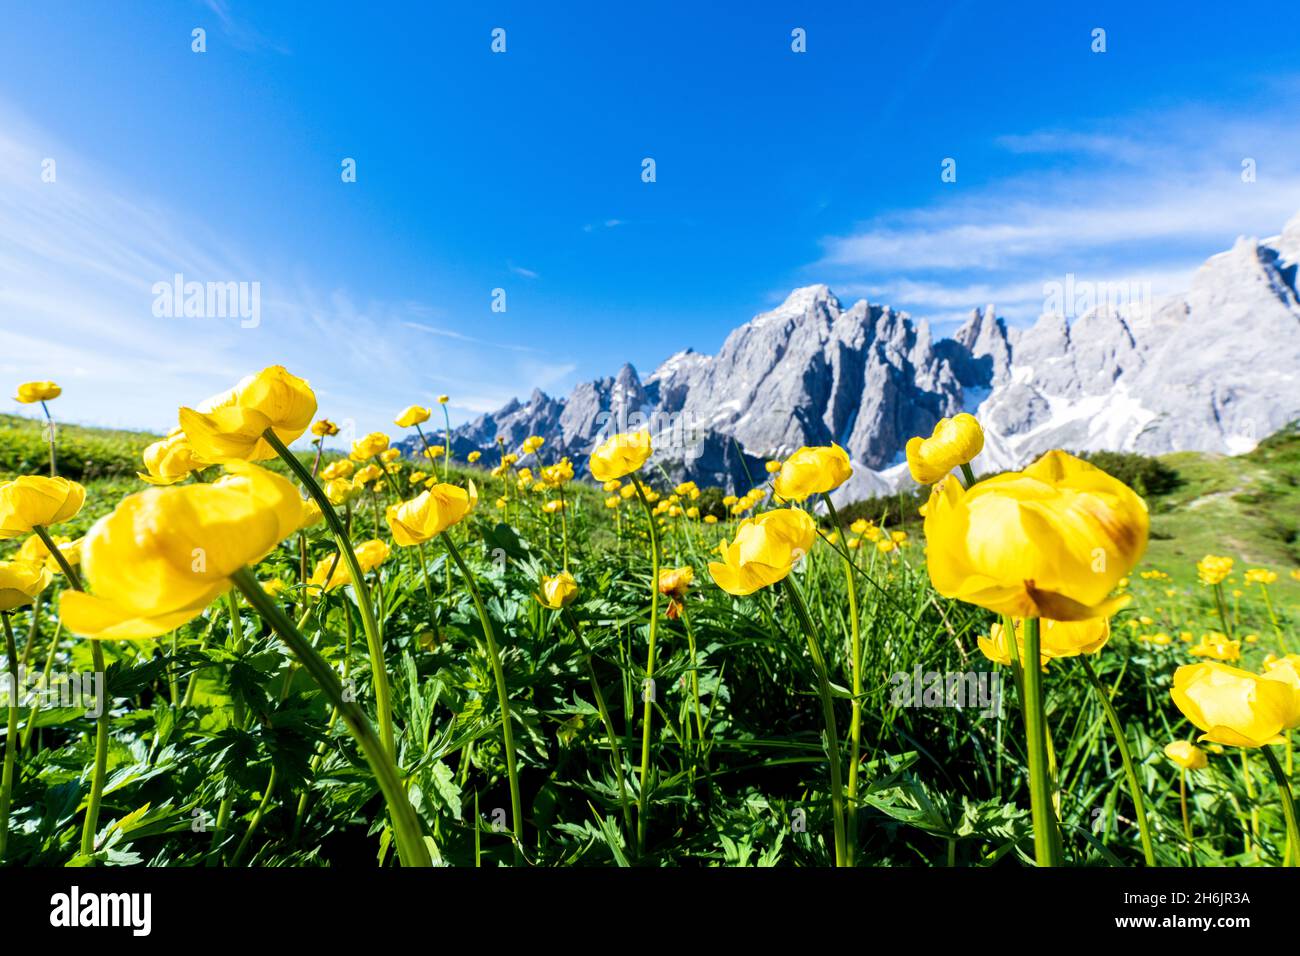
column 1212, row 369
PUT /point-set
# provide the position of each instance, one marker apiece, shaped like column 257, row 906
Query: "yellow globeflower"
column 710, row 519
column 390, row 454
column 532, row 443
column 627, row 491
column 675, row 581
column 1232, row 706
column 340, row 491
column 363, row 449
column 1186, row 755
column 444, row 399
column 29, row 393
column 1286, row 670
column 810, row 471
column 324, row 428
column 772, row 467
column 1059, row 639
column 229, row 426
column 558, row 590
column 165, row 554
column 434, row 452
column 1217, row 647
column 1260, row 576
column 367, row 474
column 954, row 442
column 430, row 513
column 613, row 501
column 31, row 500
column 370, row 555
column 33, row 551
column 995, row 648
column 20, row 582
column 473, row 456
column 764, row 551
column 412, row 415
column 343, row 468
column 170, row 460
column 1052, row 541
column 553, row 507
column 1213, row 568
column 557, row 474
column 620, row 455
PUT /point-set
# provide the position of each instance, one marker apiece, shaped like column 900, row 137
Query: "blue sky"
column 522, row 171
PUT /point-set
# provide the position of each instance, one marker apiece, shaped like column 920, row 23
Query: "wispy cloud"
column 78, row 262
column 241, row 34
column 1146, row 204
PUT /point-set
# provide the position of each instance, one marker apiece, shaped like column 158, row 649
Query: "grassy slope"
column 1246, row 507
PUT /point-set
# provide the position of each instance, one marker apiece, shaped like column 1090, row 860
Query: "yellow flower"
column 390, row 454
column 810, row 471
column 434, row 452
column 165, row 554
column 1051, row 541
column 1217, row 647
column 955, row 441
column 1260, row 576
column 170, row 460
column 1286, row 670
column 558, row 590
column 1232, row 706
column 229, row 426
column 675, row 581
column 620, row 455
column 324, row 428
column 553, row 507
column 710, row 519
column 444, row 399
column 30, row 393
column 627, row 491
column 274, row 587
column 532, row 443
column 430, row 513
column 885, row 545
column 412, row 415
column 20, row 582
column 772, row 467
column 613, row 501
column 363, row 449
column 1186, row 755
column 473, row 456
column 994, row 647
column 557, row 474
column 32, row 500
column 860, row 526
column 1059, row 639
column 764, row 551
column 370, row 555
column 343, row 468
column 1213, row 568
column 340, row 491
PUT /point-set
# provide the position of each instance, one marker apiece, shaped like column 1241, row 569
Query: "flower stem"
column 50, row 432
column 1288, row 803
column 411, row 847
column 101, row 722
column 828, row 716
column 446, row 455
column 503, row 699
column 616, row 752
column 11, row 735
column 1047, row 838
column 647, row 694
column 374, row 642
column 855, row 720
column 1130, row 771
column 967, row 474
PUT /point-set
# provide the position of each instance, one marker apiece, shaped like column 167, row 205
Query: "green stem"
column 50, row 429
column 828, row 716
column 503, row 698
column 446, row 455
column 11, row 735
column 615, row 752
column 643, row 801
column 1288, row 803
column 411, row 847
column 101, row 723
column 374, row 643
column 1130, row 771
column 1047, row 840
column 855, row 720
column 967, row 474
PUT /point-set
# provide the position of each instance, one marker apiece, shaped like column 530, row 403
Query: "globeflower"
column 1186, row 755
column 1260, row 576
column 765, row 550
column 29, row 393
column 332, row 572
column 170, row 460
column 1213, row 568
column 473, row 456
column 954, row 442
column 412, row 415
column 229, row 426
column 30, row 501
column 363, row 449
column 430, row 513
column 1052, row 541
column 620, row 455
column 809, row 471
column 343, row 468
column 165, row 554
column 558, row 590
column 1234, row 707
column 557, row 474
column 20, row 582
column 1058, row 639
column 324, row 428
